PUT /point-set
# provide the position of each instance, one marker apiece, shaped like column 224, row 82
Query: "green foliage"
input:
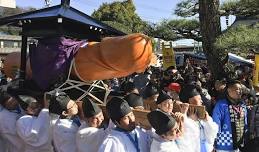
column 118, row 26
column 239, row 38
column 163, row 31
column 241, row 7
column 187, row 8
column 120, row 15
column 13, row 11
column 178, row 29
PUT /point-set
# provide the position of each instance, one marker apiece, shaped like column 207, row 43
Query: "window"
column 1, row 44
column 8, row 44
column 15, row 44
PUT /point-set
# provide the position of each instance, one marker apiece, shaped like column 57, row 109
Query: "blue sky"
column 149, row 10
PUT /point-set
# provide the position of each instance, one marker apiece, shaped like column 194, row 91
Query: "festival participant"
column 231, row 116
column 91, row 135
column 129, row 87
column 2, row 143
column 135, row 101
column 201, row 132
column 126, row 137
column 150, row 97
column 34, row 127
column 9, row 114
column 165, row 103
column 66, row 127
column 166, row 129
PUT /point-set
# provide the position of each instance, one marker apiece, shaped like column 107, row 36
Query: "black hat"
column 162, row 97
column 134, row 100
column 161, row 121
column 26, row 100
column 232, row 82
column 188, row 92
column 59, row 103
column 129, row 86
column 117, row 108
column 90, row 108
column 4, row 96
column 150, row 91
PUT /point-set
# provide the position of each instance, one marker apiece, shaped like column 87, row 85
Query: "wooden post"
column 23, row 58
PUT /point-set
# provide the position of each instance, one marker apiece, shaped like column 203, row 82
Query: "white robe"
column 89, row 139
column 118, row 141
column 35, row 132
column 192, row 134
column 8, row 131
column 161, row 145
column 2, row 143
column 64, row 135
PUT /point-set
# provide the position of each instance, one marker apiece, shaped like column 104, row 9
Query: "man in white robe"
column 126, row 137
column 34, row 127
column 66, row 127
column 166, row 130
column 201, row 132
column 2, row 143
column 91, row 133
column 8, row 116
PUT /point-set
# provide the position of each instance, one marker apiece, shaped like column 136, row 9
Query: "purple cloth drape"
column 51, row 58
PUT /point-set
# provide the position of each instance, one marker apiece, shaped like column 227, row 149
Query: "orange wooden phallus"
column 114, row 57
column 12, row 64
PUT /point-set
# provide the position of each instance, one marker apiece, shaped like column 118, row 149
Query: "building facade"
column 8, row 3
column 8, row 44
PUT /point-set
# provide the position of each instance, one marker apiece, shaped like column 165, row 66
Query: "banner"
column 8, row 3
column 168, row 55
column 256, row 71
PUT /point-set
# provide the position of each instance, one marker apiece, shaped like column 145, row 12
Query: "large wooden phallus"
column 113, row 57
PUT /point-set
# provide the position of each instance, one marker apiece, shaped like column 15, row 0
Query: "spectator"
column 231, row 116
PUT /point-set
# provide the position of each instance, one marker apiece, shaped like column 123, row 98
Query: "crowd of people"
column 188, row 111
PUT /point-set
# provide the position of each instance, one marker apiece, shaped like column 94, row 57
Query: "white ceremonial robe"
column 8, row 130
column 2, row 143
column 64, row 135
column 90, row 138
column 193, row 135
column 118, row 141
column 161, row 145
column 35, row 132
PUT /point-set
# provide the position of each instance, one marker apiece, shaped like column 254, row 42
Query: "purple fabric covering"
column 51, row 59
